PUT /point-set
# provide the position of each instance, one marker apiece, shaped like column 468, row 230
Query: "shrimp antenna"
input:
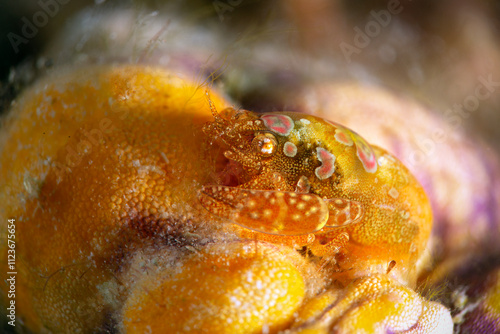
column 216, row 115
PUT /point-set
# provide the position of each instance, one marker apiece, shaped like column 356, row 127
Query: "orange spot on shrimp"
column 280, row 124
column 327, row 167
column 343, row 136
column 290, row 149
column 365, row 153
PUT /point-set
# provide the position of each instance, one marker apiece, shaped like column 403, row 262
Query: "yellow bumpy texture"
column 233, row 288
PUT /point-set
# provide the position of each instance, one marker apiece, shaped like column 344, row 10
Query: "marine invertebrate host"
column 124, row 192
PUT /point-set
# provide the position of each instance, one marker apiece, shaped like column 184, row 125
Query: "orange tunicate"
column 97, row 163
column 238, row 287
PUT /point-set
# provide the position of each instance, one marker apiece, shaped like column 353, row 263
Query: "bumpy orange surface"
column 119, row 196
column 94, row 163
column 236, row 288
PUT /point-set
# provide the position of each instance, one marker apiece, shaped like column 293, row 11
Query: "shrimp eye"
column 265, row 144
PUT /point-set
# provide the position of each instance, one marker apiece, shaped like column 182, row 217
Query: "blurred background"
column 436, row 51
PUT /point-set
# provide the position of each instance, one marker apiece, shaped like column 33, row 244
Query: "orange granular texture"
column 95, row 163
column 226, row 288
